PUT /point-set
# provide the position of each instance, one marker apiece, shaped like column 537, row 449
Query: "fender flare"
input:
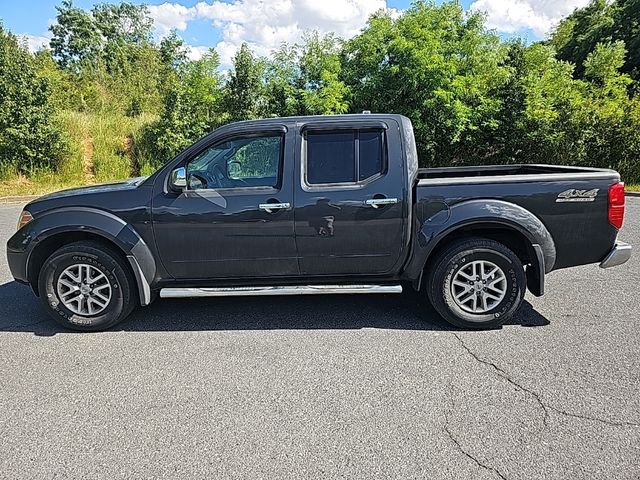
column 491, row 212
column 106, row 225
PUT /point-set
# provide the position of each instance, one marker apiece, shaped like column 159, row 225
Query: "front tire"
column 86, row 286
column 476, row 283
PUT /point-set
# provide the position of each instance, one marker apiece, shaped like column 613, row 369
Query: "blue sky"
column 264, row 24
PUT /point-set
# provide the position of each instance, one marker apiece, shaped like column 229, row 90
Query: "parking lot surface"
column 326, row 387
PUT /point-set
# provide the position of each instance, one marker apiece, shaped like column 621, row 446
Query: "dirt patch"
column 87, row 158
column 129, row 151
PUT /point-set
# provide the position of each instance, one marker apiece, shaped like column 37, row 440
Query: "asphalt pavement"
column 326, row 387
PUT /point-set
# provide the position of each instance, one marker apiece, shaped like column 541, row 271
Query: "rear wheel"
column 476, row 283
column 86, row 286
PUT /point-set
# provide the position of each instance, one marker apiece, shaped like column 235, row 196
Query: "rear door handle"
column 271, row 207
column 379, row 202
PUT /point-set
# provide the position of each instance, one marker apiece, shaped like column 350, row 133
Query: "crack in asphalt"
column 459, row 446
column 545, row 407
column 612, row 423
column 503, row 374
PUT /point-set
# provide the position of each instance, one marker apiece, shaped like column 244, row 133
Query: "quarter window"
column 370, row 154
column 343, row 156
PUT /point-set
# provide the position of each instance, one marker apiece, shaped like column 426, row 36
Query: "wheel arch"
column 507, row 223
column 64, row 226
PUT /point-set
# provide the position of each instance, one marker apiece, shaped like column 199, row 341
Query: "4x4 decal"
column 574, row 195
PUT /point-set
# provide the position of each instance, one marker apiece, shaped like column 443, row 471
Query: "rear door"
column 350, row 203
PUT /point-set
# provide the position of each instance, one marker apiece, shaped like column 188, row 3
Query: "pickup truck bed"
column 532, row 171
column 562, row 225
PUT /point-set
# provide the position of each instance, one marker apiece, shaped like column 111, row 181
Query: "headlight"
column 25, row 217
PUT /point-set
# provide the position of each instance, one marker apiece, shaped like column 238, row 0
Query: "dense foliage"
column 108, row 100
column 29, row 138
column 602, row 21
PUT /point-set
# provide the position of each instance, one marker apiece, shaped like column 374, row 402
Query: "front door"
column 235, row 218
column 350, row 199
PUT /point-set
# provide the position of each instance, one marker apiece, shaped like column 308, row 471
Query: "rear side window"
column 331, row 157
column 343, row 156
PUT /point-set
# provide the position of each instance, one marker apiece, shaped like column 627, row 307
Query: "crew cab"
column 316, row 205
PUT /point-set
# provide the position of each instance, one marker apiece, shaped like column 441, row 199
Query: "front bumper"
column 619, row 254
column 17, row 265
column 18, row 248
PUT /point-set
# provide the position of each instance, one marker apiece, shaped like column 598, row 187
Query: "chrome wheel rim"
column 478, row 286
column 84, row 289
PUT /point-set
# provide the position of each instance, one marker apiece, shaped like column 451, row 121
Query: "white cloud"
column 168, row 16
column 196, row 53
column 511, row 16
column 35, row 42
column 265, row 25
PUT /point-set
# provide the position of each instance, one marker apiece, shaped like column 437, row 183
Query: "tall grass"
column 101, row 148
column 113, row 138
column 76, row 128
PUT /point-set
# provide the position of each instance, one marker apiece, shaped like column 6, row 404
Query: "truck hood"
column 101, row 188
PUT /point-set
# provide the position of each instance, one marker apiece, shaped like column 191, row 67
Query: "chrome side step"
column 291, row 290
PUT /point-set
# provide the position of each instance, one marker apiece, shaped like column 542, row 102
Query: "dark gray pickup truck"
column 316, row 205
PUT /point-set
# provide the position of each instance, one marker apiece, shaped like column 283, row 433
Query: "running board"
column 292, row 290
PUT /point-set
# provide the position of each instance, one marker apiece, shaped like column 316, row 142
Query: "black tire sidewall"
column 505, row 265
column 451, row 262
column 108, row 265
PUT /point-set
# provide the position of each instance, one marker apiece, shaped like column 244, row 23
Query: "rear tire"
column 476, row 283
column 87, row 286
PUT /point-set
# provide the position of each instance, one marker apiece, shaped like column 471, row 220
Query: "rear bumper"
column 619, row 254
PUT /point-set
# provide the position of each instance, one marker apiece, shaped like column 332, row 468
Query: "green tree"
column 609, row 113
column 124, row 23
column 173, row 53
column 81, row 38
column 435, row 64
column 324, row 92
column 76, row 42
column 601, row 21
column 173, row 58
column 283, row 84
column 244, row 90
column 191, row 109
column 110, row 51
column 548, row 116
column 304, row 79
column 62, row 87
column 603, row 66
column 29, row 136
column 504, row 139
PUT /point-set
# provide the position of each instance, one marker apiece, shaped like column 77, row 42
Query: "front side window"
column 239, row 162
column 343, row 156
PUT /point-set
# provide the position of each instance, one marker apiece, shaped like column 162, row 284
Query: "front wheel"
column 476, row 283
column 86, row 286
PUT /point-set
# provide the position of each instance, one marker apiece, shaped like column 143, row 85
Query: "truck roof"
column 307, row 118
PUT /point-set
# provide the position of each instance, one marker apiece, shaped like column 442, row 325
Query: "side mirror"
column 179, row 178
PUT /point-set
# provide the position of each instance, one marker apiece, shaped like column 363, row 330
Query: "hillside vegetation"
column 106, row 101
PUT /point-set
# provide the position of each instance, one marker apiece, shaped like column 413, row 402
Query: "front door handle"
column 379, row 202
column 272, row 207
